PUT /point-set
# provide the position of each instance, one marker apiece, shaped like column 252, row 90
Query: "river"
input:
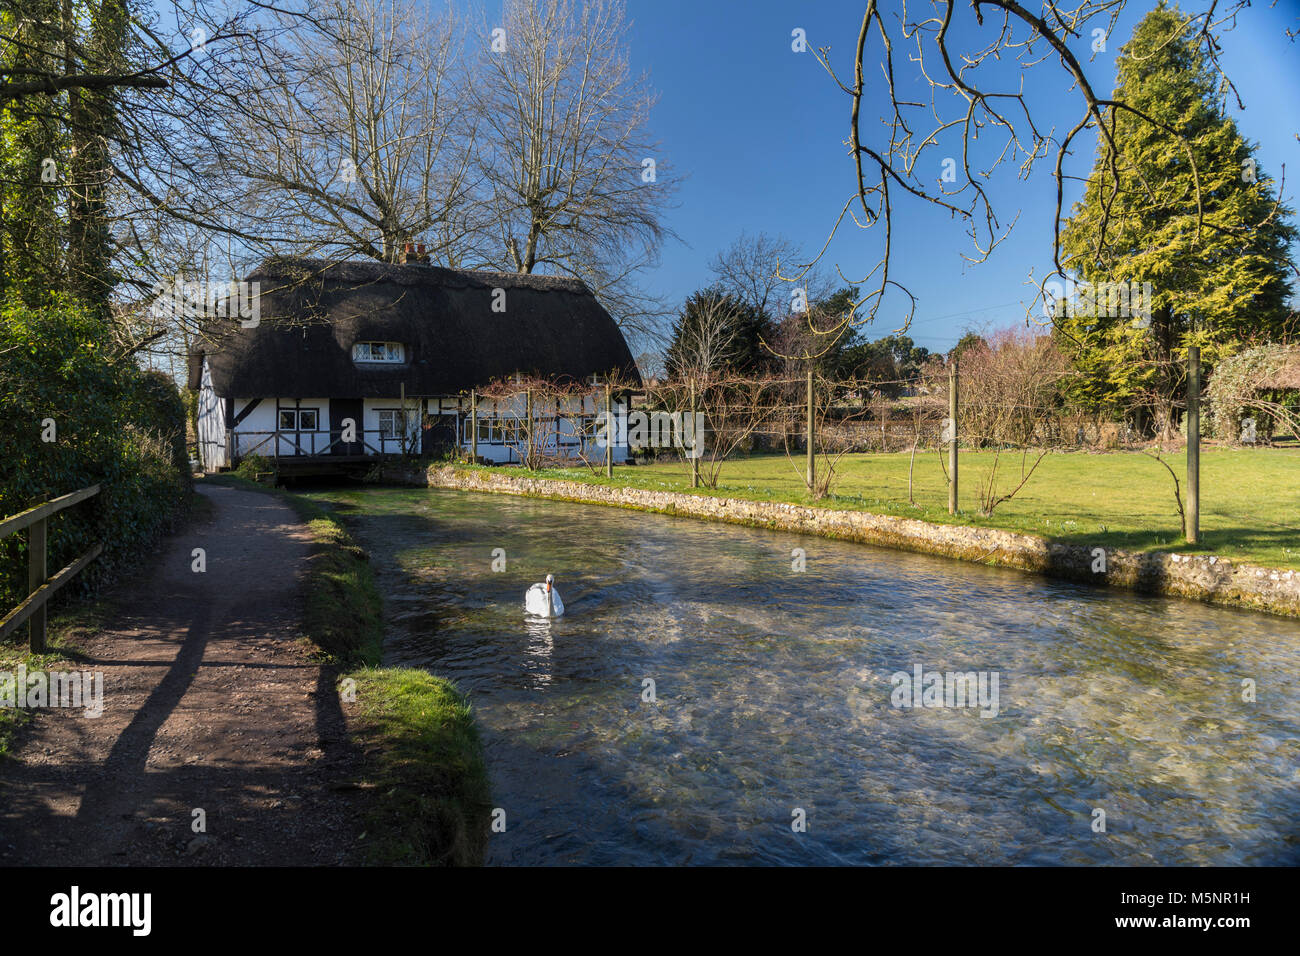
column 769, row 733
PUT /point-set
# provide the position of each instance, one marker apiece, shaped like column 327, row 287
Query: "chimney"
column 413, row 254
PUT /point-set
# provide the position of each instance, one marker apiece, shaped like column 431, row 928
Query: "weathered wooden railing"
column 40, row 588
column 243, row 446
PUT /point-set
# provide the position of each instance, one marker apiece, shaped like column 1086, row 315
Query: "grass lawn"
column 1250, row 498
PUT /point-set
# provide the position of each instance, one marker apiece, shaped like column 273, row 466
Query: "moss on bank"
column 427, row 767
column 424, row 771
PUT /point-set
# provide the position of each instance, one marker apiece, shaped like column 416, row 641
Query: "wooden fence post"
column 1193, row 444
column 812, row 437
column 697, row 449
column 528, row 418
column 610, row 431
column 473, row 426
column 952, row 447
column 36, row 575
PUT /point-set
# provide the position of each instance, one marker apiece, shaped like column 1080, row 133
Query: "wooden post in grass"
column 610, row 431
column 696, row 448
column 473, row 426
column 952, row 446
column 1193, row 443
column 812, row 437
column 528, row 420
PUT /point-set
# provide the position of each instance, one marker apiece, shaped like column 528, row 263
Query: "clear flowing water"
column 773, row 695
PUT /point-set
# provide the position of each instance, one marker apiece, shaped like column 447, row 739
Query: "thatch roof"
column 312, row 311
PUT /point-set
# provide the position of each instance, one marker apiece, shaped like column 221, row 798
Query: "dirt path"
column 210, row 701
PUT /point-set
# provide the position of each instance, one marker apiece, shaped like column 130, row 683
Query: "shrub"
column 250, row 466
column 114, row 425
column 1235, row 392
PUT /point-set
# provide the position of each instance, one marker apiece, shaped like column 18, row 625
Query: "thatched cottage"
column 347, row 361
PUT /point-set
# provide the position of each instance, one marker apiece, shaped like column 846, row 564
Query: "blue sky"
column 755, row 132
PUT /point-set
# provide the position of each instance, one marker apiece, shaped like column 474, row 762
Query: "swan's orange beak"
column 548, row 585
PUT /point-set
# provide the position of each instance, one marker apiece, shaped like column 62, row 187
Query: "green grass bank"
column 1250, row 498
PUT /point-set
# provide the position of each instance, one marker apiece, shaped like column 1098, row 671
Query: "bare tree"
column 574, row 184
column 751, row 269
column 359, row 142
column 710, row 337
column 988, row 487
column 833, row 420
column 761, row 271
column 650, row 363
column 928, row 150
column 1010, row 387
column 734, row 411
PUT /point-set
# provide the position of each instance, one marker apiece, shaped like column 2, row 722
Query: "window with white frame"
column 299, row 419
column 391, row 353
column 392, row 423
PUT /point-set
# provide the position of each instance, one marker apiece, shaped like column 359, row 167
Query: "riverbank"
column 1206, row 578
column 238, row 715
column 424, row 779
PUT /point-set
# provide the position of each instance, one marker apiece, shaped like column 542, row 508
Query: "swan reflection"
column 537, row 653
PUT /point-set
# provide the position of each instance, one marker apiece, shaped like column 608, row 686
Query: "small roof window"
column 388, row 353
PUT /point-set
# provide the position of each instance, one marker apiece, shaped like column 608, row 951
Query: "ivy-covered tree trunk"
column 55, row 167
column 91, row 123
column 32, row 140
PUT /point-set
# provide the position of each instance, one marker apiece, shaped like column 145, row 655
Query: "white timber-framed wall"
column 302, row 427
column 213, row 453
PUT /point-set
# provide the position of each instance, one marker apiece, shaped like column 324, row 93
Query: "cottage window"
column 299, row 419
column 392, row 423
column 388, row 352
column 485, row 431
column 513, row 432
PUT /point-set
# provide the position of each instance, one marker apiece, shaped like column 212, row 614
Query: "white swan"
column 543, row 600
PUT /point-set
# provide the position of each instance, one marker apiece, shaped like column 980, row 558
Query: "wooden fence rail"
column 271, row 442
column 40, row 588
